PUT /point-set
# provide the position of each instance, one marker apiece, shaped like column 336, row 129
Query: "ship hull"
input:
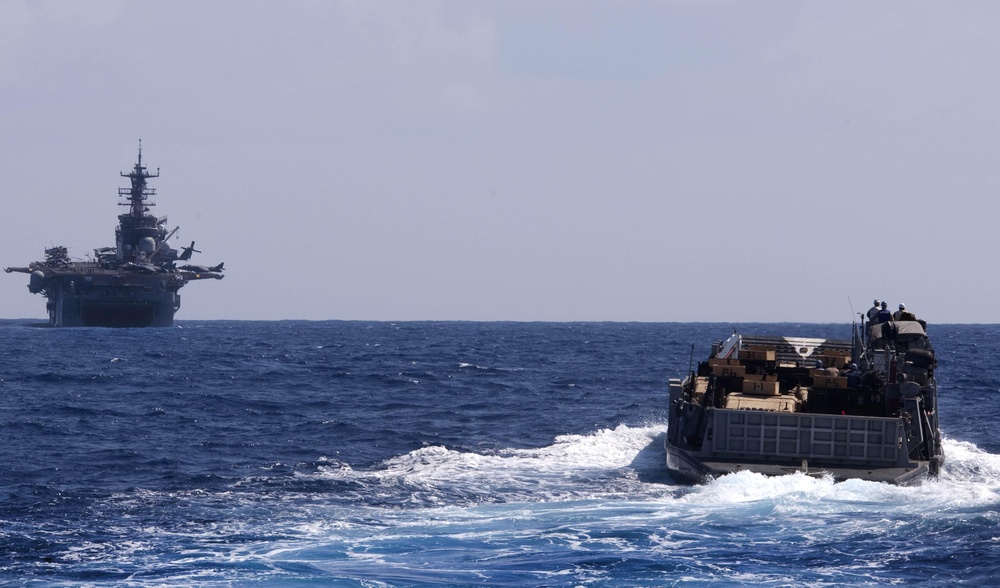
column 115, row 314
column 126, row 308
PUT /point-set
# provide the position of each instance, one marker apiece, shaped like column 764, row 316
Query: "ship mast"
column 137, row 195
column 139, row 233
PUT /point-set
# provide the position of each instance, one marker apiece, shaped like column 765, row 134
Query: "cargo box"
column 761, row 388
column 761, row 377
column 769, row 403
column 831, row 382
column 729, row 371
column 714, row 361
column 758, row 354
column 835, row 359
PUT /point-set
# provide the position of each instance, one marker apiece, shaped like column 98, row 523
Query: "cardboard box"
column 758, row 354
column 761, row 388
column 761, row 377
column 835, row 358
column 769, row 403
column 823, row 360
column 714, row 361
column 830, row 382
column 728, row 371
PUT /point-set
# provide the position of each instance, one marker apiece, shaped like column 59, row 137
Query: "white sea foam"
column 965, row 461
column 572, row 466
column 971, row 479
column 624, row 463
column 585, row 494
column 581, row 494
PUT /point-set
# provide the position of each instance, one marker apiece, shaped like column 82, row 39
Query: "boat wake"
column 581, row 497
column 608, row 462
column 587, row 494
column 626, row 463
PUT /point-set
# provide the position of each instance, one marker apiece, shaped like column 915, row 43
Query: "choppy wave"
column 583, row 499
column 376, row 454
column 576, row 511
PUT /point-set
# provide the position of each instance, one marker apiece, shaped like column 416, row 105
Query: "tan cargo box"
column 714, row 361
column 729, row 371
column 758, row 354
column 758, row 388
column 834, row 382
column 785, row 403
column 835, row 359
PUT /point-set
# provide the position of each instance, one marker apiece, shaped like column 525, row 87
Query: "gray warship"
column 133, row 284
column 862, row 408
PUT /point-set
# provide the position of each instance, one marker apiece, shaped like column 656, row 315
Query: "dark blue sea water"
column 444, row 453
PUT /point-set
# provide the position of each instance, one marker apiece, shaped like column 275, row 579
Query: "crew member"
column 904, row 315
column 883, row 315
column 873, row 312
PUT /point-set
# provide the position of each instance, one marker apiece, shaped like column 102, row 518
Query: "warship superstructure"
column 862, row 408
column 133, row 284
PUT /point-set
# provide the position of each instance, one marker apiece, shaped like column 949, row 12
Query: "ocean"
column 301, row 453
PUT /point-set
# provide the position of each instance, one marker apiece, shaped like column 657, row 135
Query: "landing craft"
column 864, row 408
column 133, row 284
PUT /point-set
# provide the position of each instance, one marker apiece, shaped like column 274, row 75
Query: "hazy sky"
column 650, row 161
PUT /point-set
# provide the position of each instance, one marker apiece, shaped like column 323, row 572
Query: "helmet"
column 876, row 302
column 902, row 306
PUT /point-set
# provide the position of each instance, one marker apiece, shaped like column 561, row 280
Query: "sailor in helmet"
column 895, row 315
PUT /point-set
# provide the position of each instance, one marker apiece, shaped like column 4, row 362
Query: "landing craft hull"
column 686, row 468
